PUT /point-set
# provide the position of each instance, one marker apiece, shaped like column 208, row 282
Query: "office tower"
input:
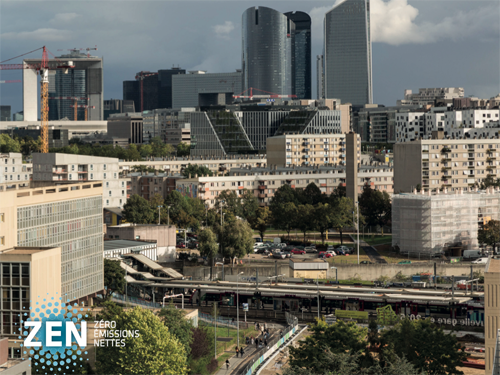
column 165, row 87
column 5, row 112
column 348, row 52
column 268, row 44
column 131, row 92
column 302, row 51
column 199, row 88
column 85, row 80
column 18, row 116
column 320, row 77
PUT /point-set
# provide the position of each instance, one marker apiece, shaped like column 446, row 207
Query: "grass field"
column 231, row 332
column 351, row 259
column 392, row 257
column 377, row 239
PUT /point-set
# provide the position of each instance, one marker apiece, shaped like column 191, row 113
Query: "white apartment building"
column 69, row 168
column 13, row 171
column 410, row 126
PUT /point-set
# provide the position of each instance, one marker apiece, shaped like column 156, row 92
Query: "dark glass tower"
column 268, row 51
column 302, row 71
column 348, row 53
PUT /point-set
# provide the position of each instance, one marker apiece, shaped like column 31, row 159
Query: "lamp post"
column 159, row 207
column 168, row 215
column 222, row 264
column 215, row 336
column 317, row 284
column 357, row 226
column 238, row 307
column 336, row 278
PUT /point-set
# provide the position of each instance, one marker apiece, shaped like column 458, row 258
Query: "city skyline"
column 408, row 54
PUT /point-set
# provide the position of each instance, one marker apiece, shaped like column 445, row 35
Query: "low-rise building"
column 433, row 164
column 13, row 172
column 429, row 223
column 308, row 149
column 163, row 235
column 430, row 95
column 309, row 269
column 68, row 168
column 11, row 362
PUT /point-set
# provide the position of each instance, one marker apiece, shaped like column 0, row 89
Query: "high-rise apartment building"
column 348, row 52
column 68, row 168
column 320, row 77
column 268, row 51
column 302, row 54
column 68, row 217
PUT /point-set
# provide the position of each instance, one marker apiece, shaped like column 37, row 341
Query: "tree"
column 196, row 169
column 7, row 144
column 305, row 222
column 159, row 148
column 345, row 214
column 340, row 191
column 489, row 181
column 249, row 203
column 114, row 278
column 145, row 150
column 285, row 217
column 177, row 325
column 230, row 202
column 183, row 149
column 310, row 195
column 137, row 210
column 155, row 201
column 489, row 234
column 338, row 338
column 322, row 218
column 423, row 344
column 237, row 238
column 132, row 153
column 202, row 349
column 261, row 220
column 208, row 243
column 154, row 351
column 375, row 206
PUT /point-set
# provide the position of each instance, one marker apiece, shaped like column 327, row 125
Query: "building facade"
column 199, row 88
column 69, row 168
column 302, row 54
column 147, row 185
column 5, row 112
column 68, row 217
column 430, row 95
column 128, row 126
column 320, row 77
column 492, row 316
column 268, row 49
column 13, row 171
column 348, row 52
column 445, row 163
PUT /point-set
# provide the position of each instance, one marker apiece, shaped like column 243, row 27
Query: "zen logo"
column 55, row 333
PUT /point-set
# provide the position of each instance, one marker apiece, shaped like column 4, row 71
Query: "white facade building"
column 12, row 169
column 409, row 126
column 75, row 168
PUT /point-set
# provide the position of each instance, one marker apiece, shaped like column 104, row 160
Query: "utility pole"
column 357, row 227
column 159, row 207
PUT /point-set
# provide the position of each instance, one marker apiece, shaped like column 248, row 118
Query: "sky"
column 416, row 44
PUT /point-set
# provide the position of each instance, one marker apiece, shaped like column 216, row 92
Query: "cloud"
column 223, row 31
column 396, row 22
column 46, row 34
column 63, row 18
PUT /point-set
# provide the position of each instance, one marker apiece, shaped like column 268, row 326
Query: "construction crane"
column 268, row 95
column 80, row 49
column 82, row 106
column 43, row 68
column 75, row 113
column 12, row 81
column 140, row 77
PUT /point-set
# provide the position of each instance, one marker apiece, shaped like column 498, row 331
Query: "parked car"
column 279, row 255
column 181, row 245
column 331, row 253
column 365, row 262
column 193, row 245
column 310, row 249
column 262, row 250
column 330, row 247
column 288, row 254
column 257, row 244
column 480, row 261
column 297, row 251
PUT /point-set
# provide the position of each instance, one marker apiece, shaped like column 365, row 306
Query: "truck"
column 277, row 240
column 472, row 254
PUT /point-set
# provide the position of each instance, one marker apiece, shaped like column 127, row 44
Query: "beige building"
column 308, row 149
column 147, row 185
column 68, row 168
column 492, row 315
column 12, row 170
column 309, row 269
column 264, row 182
column 438, row 163
column 69, row 217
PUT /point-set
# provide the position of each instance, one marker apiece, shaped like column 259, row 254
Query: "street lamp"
column 222, row 264
column 336, row 278
column 317, row 284
column 168, row 214
column 238, row 307
column 159, row 207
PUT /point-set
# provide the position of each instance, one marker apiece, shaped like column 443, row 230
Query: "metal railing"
column 220, row 320
column 262, row 354
column 137, row 301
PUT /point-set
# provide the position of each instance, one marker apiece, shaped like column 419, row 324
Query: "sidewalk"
column 235, row 362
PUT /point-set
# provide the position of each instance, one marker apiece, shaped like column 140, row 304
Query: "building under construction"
column 430, row 223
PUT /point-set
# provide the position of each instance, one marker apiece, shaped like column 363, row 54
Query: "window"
column 91, row 176
column 109, row 193
column 91, row 167
column 123, row 183
column 107, row 202
column 72, row 167
column 104, row 166
column 107, row 184
column 104, row 175
column 69, row 176
column 123, row 193
column 114, row 175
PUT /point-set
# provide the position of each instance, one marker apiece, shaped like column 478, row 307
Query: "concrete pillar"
column 30, row 97
column 351, row 140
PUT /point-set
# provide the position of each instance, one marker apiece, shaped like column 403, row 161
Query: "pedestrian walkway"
column 372, row 253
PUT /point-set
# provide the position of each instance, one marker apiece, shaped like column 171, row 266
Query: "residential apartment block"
column 430, row 95
column 13, row 171
column 264, row 182
column 433, row 164
column 68, row 217
column 308, row 149
column 67, row 168
column 147, row 185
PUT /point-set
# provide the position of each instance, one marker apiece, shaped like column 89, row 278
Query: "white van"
column 257, row 244
column 472, row 254
column 480, row 261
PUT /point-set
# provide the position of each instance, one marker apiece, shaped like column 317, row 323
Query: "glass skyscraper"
column 268, row 43
column 348, row 53
column 302, row 70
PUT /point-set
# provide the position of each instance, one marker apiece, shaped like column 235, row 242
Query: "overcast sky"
column 416, row 44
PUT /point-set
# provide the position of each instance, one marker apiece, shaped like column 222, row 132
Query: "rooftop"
column 125, row 244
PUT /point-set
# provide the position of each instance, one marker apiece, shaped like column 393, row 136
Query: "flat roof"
column 494, row 265
column 25, row 250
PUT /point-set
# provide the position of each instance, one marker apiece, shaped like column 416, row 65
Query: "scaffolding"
column 430, row 223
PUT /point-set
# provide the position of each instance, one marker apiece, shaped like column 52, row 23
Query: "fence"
column 266, row 352
column 137, row 301
column 221, row 320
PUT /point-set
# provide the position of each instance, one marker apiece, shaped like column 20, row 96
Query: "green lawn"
column 222, row 358
column 351, row 259
column 231, row 332
column 377, row 240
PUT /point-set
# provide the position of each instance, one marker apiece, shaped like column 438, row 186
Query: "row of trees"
column 489, row 234
column 410, row 347
column 24, row 145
